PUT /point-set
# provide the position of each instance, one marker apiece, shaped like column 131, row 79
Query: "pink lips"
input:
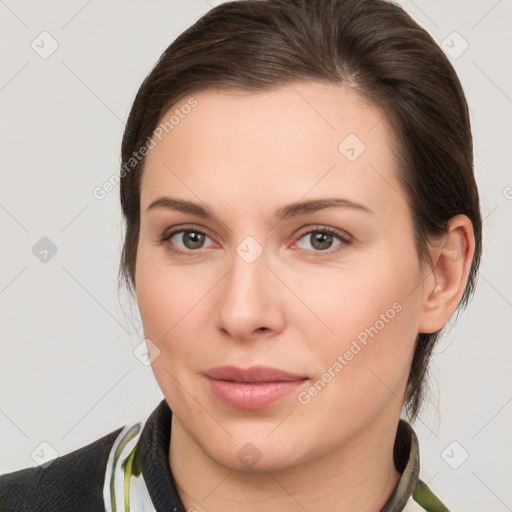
column 252, row 388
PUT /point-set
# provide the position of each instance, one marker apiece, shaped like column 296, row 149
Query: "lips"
column 254, row 374
column 252, row 388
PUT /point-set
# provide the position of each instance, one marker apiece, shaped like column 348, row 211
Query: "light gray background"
column 68, row 373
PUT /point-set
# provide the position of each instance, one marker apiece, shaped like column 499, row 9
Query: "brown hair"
column 375, row 48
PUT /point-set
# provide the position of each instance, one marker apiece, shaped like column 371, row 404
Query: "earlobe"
column 451, row 259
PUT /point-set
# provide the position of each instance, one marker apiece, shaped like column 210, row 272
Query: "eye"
column 321, row 239
column 190, row 240
column 187, row 240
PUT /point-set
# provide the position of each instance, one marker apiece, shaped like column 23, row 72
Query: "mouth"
column 253, row 388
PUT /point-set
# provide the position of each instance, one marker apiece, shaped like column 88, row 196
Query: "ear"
column 451, row 262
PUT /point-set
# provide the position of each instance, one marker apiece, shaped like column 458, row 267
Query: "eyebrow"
column 282, row 213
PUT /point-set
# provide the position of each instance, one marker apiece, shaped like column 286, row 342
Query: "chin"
column 254, row 461
column 258, row 454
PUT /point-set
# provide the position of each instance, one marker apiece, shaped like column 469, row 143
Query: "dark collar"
column 153, row 451
column 153, row 456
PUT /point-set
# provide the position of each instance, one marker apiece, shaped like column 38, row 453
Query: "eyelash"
column 344, row 239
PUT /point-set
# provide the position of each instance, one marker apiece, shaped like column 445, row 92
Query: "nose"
column 250, row 300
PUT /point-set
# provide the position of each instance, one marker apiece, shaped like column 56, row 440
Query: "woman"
column 302, row 220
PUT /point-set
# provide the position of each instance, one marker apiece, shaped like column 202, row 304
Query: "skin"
column 296, row 307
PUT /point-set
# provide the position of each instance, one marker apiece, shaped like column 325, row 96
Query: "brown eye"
column 193, row 239
column 185, row 240
column 323, row 240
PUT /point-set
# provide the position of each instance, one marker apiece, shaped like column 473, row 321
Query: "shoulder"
column 70, row 482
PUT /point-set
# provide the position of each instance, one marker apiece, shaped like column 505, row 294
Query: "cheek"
column 371, row 314
column 162, row 297
column 343, row 302
column 154, row 298
column 166, row 306
column 174, row 304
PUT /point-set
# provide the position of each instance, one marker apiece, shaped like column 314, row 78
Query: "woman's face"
column 249, row 285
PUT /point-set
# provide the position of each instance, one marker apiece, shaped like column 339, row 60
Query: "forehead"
column 292, row 139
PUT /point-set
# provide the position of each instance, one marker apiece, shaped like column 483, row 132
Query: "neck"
column 338, row 480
